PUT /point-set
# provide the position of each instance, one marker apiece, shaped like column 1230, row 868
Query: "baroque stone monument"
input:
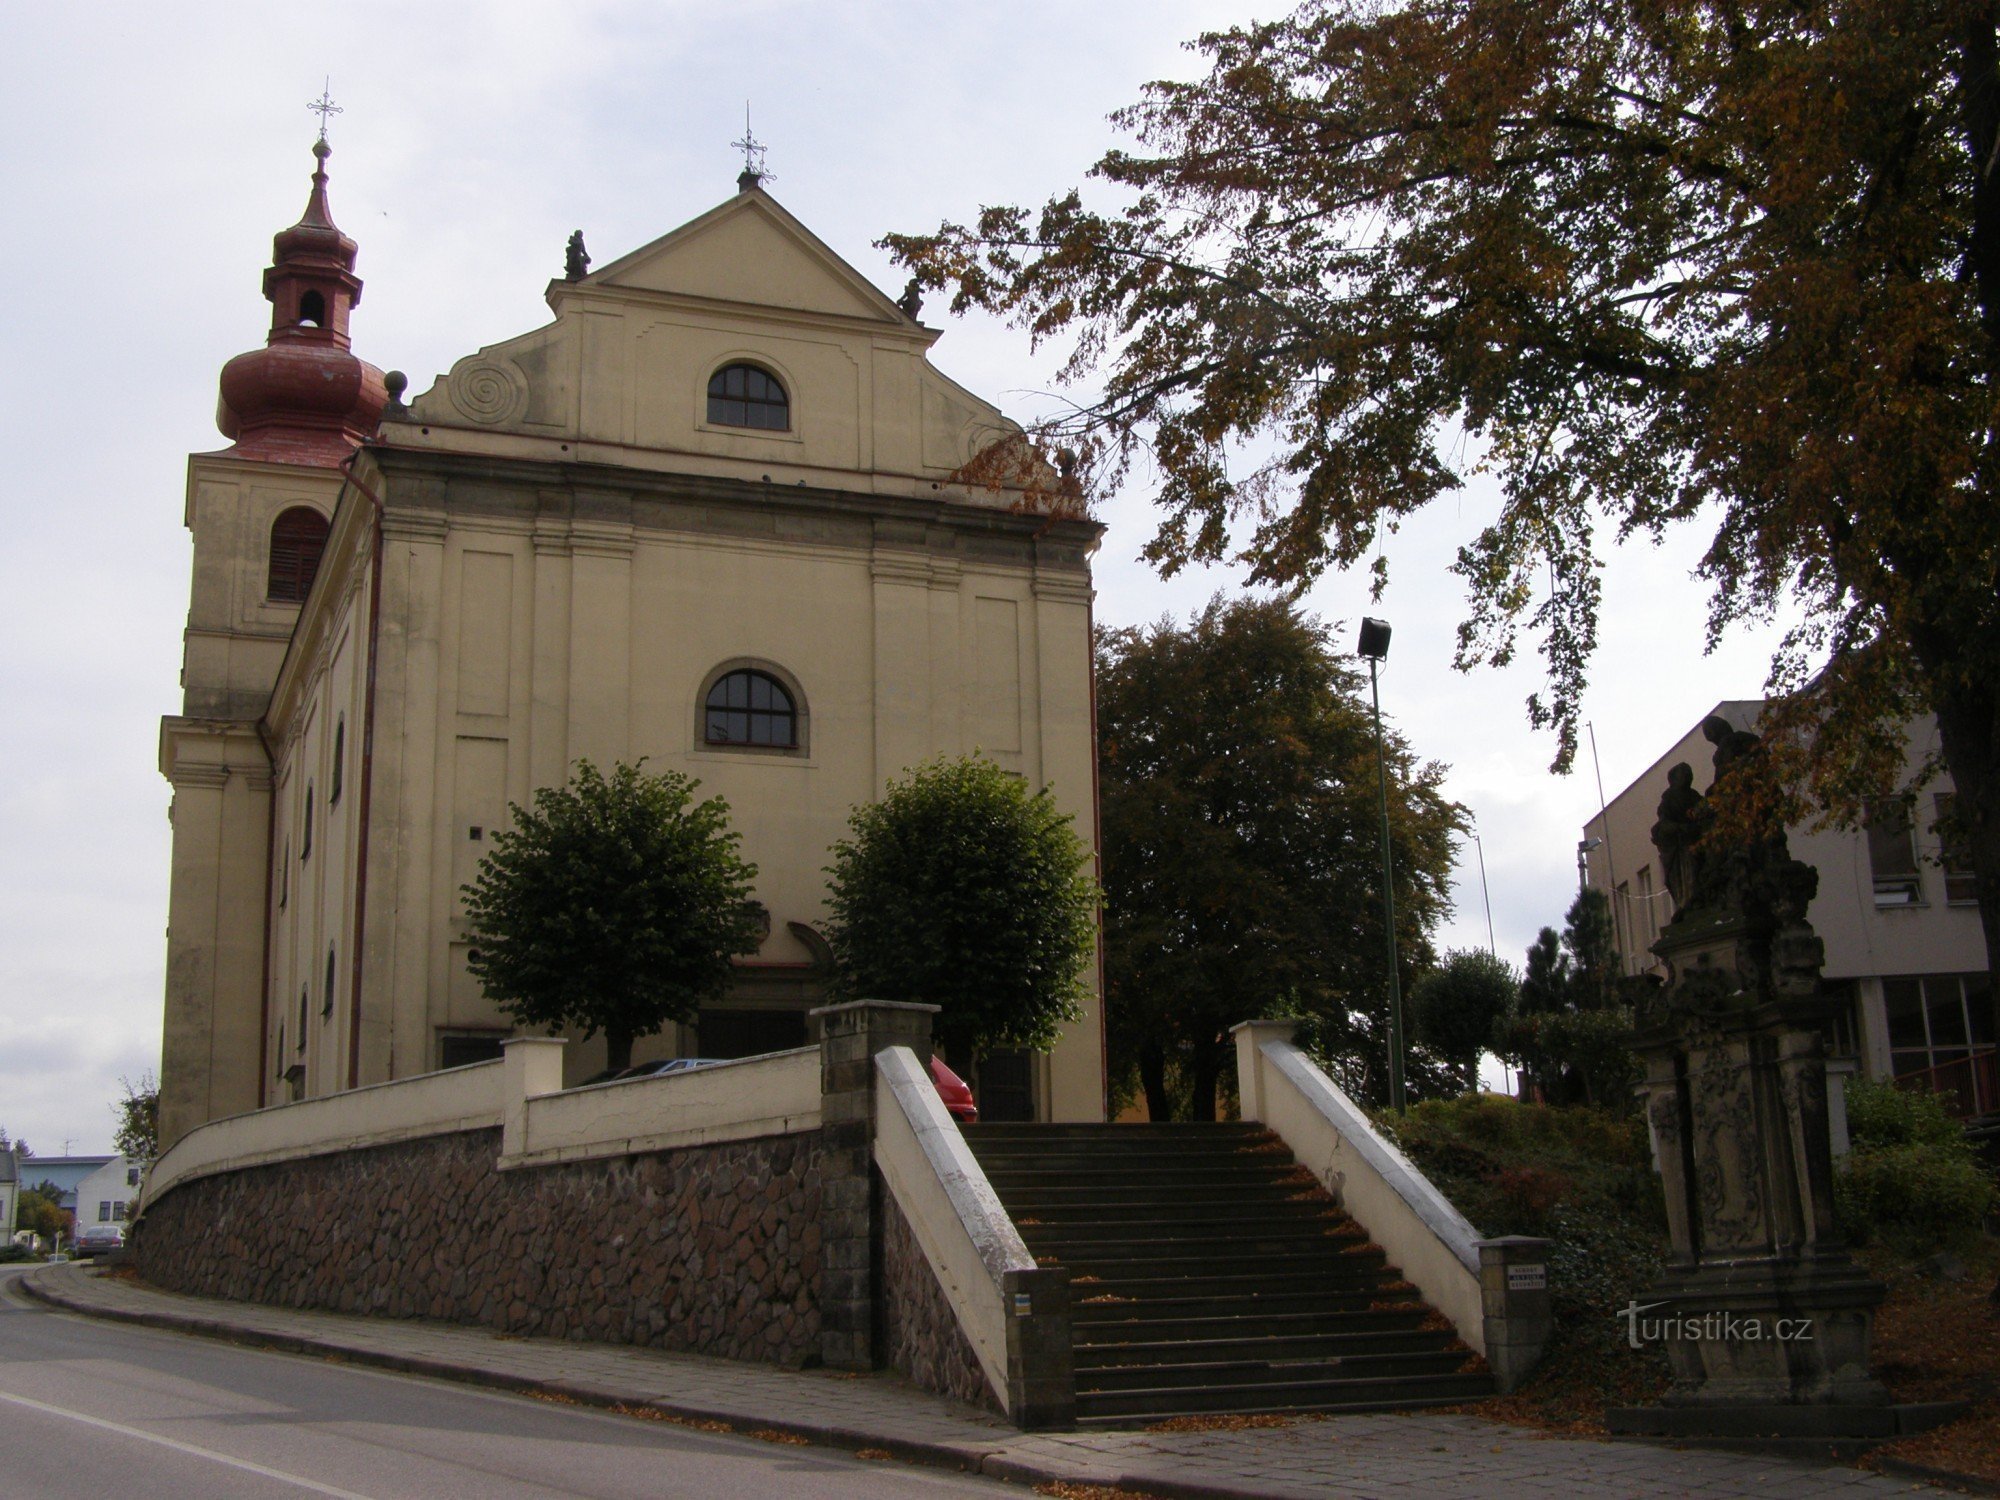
column 1765, row 1318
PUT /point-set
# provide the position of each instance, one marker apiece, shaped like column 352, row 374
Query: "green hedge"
column 1912, row 1180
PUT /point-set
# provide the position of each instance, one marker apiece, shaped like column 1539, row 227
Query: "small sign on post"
column 1527, row 1278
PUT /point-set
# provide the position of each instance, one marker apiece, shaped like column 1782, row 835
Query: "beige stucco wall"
column 212, row 753
column 569, row 553
column 317, row 727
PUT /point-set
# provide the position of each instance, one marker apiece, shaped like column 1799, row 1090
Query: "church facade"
column 713, row 514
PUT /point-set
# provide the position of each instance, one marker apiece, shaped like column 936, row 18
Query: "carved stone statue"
column 912, row 300
column 1682, row 822
column 576, row 260
column 1761, row 1307
column 1732, row 745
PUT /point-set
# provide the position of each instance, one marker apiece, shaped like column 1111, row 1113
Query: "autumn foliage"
column 1730, row 264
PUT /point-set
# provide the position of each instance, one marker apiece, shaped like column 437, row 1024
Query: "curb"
column 1903, row 1468
column 967, row 1458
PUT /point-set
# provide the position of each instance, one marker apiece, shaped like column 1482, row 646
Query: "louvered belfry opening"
column 298, row 537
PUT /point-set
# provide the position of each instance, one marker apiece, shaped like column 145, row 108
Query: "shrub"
column 1915, row 1196
column 10, row 1254
column 1529, row 1195
column 1880, row 1114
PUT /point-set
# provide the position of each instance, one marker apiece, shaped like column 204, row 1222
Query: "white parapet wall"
column 522, row 1096
column 952, row 1210
column 1431, row 1241
column 776, row 1094
column 469, row 1098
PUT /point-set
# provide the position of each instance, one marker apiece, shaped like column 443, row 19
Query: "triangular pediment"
column 749, row 250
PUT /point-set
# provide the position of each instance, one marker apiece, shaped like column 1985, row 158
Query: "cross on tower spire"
column 324, row 107
column 754, row 173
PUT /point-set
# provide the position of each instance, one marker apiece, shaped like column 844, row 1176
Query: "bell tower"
column 260, row 511
column 304, row 398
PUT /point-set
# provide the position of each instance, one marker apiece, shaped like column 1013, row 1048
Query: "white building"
column 105, row 1196
column 1897, row 910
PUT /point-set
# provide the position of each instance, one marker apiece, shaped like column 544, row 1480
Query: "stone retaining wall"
column 920, row 1335
column 712, row 1249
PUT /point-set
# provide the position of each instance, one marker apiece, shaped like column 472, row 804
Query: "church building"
column 719, row 513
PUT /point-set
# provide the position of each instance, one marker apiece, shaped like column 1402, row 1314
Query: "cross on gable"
column 753, row 152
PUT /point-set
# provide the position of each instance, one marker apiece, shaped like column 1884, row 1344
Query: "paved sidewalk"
column 1387, row 1456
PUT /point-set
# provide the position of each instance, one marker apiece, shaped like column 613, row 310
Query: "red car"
column 952, row 1090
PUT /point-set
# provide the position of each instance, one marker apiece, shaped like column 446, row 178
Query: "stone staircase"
column 1211, row 1274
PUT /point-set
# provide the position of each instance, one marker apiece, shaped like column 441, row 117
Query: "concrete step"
column 1210, row 1274
column 1289, row 1236
column 1212, row 1279
column 1030, row 1197
column 1030, row 1153
column 1240, row 1373
column 1105, row 1303
column 1193, row 1222
column 1170, row 1177
column 1380, row 1394
column 1145, row 1326
column 1249, row 1238
column 1277, row 1346
column 1116, row 1134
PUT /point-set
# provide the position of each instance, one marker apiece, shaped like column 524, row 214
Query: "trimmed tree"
column 1458, row 1007
column 963, row 889
column 612, row 905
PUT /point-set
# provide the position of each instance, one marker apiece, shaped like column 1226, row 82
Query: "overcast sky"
column 147, row 155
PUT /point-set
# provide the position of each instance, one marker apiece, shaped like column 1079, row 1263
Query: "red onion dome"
column 304, row 397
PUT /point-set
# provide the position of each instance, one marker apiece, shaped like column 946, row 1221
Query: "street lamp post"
column 1484, row 894
column 1583, row 848
column 1374, row 644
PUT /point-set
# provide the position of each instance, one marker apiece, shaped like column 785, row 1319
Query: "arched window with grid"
column 745, row 396
column 748, row 707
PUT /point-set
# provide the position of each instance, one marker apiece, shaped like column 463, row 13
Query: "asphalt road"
column 89, row 1408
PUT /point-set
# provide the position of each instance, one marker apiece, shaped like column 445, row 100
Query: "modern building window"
column 748, row 707
column 131, row 1177
column 1941, row 1035
column 1961, row 887
column 118, row 1209
column 339, row 760
column 298, row 537
column 1892, row 853
column 104, row 1212
column 745, row 396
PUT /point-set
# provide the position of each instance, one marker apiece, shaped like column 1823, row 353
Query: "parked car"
column 958, row 1101
column 665, row 1065
column 99, row 1239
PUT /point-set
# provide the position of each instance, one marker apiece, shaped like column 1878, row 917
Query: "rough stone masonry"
column 713, row 1249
